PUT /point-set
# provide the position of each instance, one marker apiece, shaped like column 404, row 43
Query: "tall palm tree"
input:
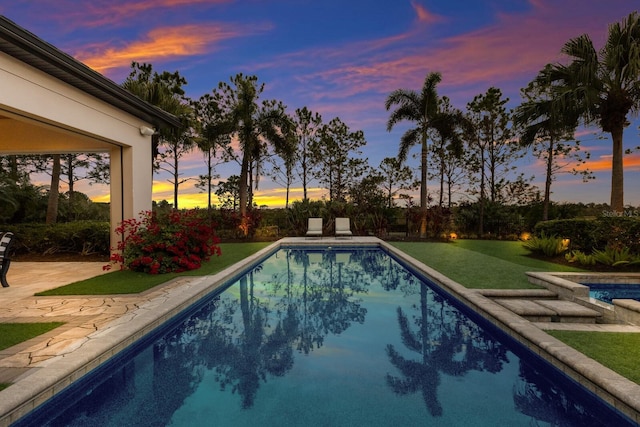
column 422, row 108
column 254, row 124
column 604, row 86
column 545, row 123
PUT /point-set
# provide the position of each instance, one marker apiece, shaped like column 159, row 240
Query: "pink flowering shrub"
column 173, row 242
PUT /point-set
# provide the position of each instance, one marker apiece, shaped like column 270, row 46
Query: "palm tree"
column 545, row 125
column 424, row 110
column 603, row 86
column 162, row 90
column 253, row 124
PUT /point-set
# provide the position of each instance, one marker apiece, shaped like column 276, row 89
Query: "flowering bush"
column 174, row 242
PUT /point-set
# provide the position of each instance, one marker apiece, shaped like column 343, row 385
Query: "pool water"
column 344, row 337
column 607, row 292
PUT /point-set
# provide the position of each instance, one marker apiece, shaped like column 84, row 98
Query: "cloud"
column 424, row 15
column 118, row 13
column 511, row 50
column 630, row 162
column 162, row 44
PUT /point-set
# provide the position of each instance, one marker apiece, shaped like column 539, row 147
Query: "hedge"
column 81, row 237
column 588, row 234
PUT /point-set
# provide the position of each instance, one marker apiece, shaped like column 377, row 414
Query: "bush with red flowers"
column 163, row 243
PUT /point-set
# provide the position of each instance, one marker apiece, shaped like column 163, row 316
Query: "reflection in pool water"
column 335, row 337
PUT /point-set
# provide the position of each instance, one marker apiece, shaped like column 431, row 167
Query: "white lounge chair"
column 315, row 227
column 343, row 227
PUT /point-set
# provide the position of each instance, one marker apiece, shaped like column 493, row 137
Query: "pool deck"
column 97, row 327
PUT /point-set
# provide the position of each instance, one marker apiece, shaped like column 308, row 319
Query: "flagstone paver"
column 83, row 315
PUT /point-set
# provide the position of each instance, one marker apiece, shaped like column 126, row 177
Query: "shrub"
column 549, row 246
column 615, row 256
column 80, row 237
column 590, row 234
column 237, row 226
column 580, row 257
column 162, row 243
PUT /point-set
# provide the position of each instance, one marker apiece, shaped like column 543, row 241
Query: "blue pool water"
column 607, row 292
column 344, row 337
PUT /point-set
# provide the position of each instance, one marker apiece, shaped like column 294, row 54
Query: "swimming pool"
column 607, row 292
column 346, row 336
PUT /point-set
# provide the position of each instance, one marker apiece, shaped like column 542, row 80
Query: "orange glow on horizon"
column 603, row 164
column 272, row 198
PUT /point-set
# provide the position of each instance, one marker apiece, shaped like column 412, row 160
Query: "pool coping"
column 52, row 376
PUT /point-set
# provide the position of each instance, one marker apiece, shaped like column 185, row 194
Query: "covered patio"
column 51, row 103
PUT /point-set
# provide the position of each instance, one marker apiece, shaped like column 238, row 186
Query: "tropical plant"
column 165, row 90
column 253, row 124
column 615, row 256
column 548, row 245
column 447, row 146
column 580, row 257
column 422, row 108
column 602, row 87
column 548, row 128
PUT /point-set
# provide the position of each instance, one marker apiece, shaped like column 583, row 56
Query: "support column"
column 131, row 185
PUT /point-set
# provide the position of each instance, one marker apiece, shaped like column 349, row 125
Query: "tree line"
column 470, row 153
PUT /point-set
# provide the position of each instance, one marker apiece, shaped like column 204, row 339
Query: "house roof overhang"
column 30, row 49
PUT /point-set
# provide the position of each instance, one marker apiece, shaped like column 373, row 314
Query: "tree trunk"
column 209, row 177
column 617, row 172
column 176, row 176
column 54, row 192
column 71, row 177
column 304, row 170
column 244, row 196
column 482, row 198
column 441, row 204
column 423, row 188
column 547, row 183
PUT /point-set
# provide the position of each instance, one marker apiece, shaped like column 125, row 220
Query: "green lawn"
column 128, row 282
column 14, row 333
column 616, row 350
column 480, row 264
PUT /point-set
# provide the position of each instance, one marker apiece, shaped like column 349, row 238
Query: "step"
column 571, row 312
column 528, row 309
column 519, row 293
column 549, row 310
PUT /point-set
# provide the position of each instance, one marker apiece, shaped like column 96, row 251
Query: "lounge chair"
column 6, row 240
column 343, row 227
column 315, row 227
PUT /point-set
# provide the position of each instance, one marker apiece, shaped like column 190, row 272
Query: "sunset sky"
column 340, row 58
